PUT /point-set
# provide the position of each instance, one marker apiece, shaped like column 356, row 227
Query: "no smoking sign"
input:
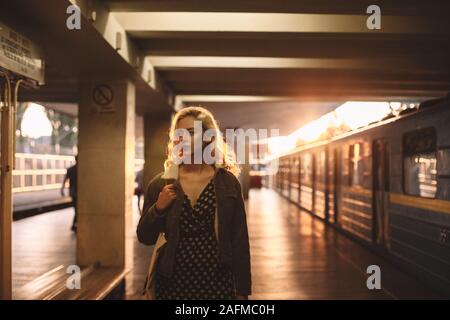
column 103, row 98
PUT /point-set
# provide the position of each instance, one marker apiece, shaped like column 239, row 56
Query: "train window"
column 420, row 163
column 356, row 172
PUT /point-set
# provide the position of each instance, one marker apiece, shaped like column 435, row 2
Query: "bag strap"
column 159, row 242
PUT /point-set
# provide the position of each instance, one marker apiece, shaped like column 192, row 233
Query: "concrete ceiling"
column 283, row 57
column 287, row 116
column 311, row 55
column 307, row 50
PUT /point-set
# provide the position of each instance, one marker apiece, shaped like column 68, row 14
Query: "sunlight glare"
column 357, row 114
column 281, row 144
column 35, row 123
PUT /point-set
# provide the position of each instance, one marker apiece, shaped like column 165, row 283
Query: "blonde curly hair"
column 227, row 155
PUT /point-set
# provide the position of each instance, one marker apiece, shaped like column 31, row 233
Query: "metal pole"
column 14, row 113
column 6, row 195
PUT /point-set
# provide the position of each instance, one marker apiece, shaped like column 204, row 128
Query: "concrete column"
column 156, row 136
column 105, row 170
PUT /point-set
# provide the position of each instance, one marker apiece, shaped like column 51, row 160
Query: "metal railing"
column 38, row 172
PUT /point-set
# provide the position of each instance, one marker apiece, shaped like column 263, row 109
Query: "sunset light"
column 356, row 114
column 349, row 116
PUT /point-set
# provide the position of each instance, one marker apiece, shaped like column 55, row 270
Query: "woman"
column 200, row 209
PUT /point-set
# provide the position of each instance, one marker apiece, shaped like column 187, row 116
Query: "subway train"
column 386, row 185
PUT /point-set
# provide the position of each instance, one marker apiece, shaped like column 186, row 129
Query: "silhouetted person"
column 139, row 189
column 71, row 175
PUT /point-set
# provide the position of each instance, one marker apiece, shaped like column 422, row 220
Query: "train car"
column 386, row 185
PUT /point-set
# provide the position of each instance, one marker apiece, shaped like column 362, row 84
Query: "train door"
column 380, row 174
column 299, row 179
column 289, row 174
column 313, row 183
column 328, row 186
column 330, row 194
column 337, row 168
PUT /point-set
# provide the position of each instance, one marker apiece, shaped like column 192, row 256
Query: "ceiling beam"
column 380, row 63
column 243, row 76
column 275, row 22
column 183, row 100
column 335, row 90
column 301, row 46
column 411, row 7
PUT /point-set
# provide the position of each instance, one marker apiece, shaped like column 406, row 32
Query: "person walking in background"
column 71, row 175
column 139, row 187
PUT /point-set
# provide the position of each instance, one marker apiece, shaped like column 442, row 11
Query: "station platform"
column 26, row 204
column 293, row 255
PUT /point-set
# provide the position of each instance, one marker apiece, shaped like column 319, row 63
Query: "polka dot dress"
column 197, row 273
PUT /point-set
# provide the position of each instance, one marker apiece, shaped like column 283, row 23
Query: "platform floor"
column 41, row 243
column 293, row 255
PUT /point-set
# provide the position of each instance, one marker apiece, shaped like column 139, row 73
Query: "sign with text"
column 19, row 55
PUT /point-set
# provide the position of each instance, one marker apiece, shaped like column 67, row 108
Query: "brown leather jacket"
column 230, row 227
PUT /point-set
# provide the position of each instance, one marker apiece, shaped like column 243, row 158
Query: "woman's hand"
column 238, row 297
column 165, row 197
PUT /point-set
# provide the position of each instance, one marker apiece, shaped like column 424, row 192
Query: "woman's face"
column 188, row 150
